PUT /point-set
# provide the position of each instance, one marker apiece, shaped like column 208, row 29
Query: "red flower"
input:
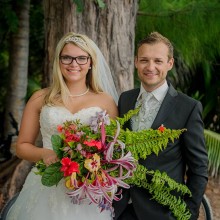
column 93, row 143
column 68, row 166
column 161, row 128
column 71, row 137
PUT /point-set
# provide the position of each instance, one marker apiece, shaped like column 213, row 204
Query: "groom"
column 162, row 104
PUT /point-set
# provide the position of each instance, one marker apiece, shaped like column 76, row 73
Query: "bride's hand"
column 49, row 157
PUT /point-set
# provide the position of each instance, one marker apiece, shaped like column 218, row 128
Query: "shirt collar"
column 158, row 93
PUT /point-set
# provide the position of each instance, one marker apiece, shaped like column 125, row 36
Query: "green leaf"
column 52, row 175
column 100, row 3
column 40, row 165
column 212, row 140
column 57, row 143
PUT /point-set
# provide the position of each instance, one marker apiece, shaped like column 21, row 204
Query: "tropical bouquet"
column 100, row 159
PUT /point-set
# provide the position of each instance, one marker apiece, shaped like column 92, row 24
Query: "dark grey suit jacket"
column 176, row 112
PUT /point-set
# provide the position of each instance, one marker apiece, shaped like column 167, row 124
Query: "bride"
column 80, row 75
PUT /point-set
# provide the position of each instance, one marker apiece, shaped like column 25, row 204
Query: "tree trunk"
column 6, row 172
column 57, row 16
column 111, row 28
column 18, row 177
column 18, row 68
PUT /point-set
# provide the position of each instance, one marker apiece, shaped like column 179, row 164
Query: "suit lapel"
column 166, row 108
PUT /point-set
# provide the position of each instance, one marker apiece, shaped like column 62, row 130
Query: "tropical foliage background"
column 192, row 26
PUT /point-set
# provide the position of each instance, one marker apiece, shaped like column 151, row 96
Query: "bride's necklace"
column 81, row 93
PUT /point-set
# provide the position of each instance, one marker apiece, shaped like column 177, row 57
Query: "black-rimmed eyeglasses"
column 81, row 60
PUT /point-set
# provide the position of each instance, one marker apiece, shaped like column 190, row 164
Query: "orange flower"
column 59, row 128
column 161, row 128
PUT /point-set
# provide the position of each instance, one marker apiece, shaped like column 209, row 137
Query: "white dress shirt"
column 150, row 104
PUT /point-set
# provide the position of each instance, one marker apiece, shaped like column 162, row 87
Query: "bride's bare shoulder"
column 39, row 94
column 37, row 97
column 105, row 96
column 107, row 102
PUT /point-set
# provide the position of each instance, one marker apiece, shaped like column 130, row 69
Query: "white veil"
column 105, row 77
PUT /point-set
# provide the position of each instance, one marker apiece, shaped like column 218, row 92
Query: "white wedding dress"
column 39, row 202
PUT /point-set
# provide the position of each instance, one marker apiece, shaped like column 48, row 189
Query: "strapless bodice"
column 51, row 116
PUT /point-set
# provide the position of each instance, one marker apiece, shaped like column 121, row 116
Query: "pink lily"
column 127, row 162
column 110, row 146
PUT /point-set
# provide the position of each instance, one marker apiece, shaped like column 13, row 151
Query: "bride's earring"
column 90, row 67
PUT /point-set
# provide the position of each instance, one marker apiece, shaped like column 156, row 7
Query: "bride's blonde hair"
column 58, row 92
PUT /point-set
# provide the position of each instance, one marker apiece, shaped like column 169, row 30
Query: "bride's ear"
column 91, row 63
column 135, row 61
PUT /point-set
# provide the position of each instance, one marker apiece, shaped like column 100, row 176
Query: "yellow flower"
column 69, row 181
column 93, row 164
column 69, row 184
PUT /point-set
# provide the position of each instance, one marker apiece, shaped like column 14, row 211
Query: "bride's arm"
column 29, row 130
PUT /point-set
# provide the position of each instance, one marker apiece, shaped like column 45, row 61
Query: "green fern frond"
column 176, row 205
column 161, row 186
column 145, row 142
column 139, row 179
column 213, row 147
column 128, row 116
column 121, row 120
column 163, row 178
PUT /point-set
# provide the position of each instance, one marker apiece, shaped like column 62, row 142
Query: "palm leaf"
column 213, row 146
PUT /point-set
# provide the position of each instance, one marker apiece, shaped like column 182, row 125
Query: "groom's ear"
column 170, row 63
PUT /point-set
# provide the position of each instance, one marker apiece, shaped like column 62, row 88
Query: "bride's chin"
column 72, row 78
